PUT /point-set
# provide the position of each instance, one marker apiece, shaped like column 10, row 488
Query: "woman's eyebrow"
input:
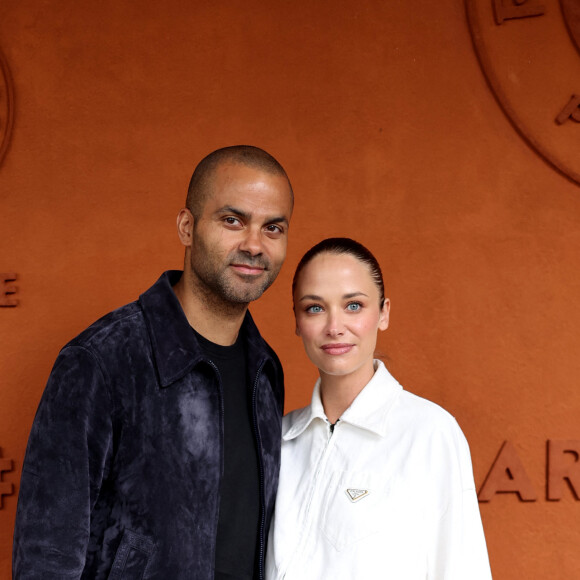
column 344, row 297
column 310, row 297
column 354, row 295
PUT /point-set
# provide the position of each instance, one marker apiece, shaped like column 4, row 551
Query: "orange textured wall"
column 382, row 117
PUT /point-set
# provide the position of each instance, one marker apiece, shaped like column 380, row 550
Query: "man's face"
column 239, row 240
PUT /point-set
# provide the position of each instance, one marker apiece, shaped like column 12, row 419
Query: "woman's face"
column 338, row 314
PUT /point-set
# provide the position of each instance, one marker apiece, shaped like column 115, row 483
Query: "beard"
column 219, row 281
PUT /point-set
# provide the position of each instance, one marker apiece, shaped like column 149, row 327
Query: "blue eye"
column 314, row 309
column 354, row 306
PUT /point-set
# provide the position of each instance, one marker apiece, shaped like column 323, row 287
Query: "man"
column 155, row 449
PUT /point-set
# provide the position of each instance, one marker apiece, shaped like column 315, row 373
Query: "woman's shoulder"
column 426, row 414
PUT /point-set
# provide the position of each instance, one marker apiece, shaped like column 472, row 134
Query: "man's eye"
column 274, row 229
column 231, row 221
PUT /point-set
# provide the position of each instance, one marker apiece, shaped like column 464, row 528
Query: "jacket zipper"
column 261, row 475
column 222, row 413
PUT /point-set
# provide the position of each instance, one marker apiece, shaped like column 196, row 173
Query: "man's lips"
column 248, row 270
column 337, row 348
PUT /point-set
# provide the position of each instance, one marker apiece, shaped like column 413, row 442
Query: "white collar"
column 368, row 411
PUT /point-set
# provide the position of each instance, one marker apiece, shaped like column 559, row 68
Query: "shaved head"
column 201, row 184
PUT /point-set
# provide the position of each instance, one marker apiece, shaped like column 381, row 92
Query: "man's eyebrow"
column 228, row 209
column 278, row 220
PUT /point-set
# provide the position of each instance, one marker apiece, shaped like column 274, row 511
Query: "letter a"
column 507, row 475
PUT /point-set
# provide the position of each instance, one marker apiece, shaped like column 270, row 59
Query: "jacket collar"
column 175, row 348
column 369, row 411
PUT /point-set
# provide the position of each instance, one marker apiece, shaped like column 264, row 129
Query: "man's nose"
column 252, row 242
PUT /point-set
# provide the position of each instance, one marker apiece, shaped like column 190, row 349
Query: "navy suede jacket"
column 123, row 466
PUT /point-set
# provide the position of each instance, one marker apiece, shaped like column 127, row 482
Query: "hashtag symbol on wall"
column 5, row 488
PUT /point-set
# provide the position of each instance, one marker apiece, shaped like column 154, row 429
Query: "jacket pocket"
column 132, row 557
column 354, row 507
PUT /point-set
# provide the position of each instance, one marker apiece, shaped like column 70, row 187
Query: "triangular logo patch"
column 356, row 494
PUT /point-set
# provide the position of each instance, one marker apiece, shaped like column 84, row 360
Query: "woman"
column 375, row 482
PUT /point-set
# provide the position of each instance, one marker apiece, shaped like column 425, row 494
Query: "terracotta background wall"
column 381, row 114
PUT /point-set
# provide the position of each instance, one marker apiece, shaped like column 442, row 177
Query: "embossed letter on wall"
column 570, row 111
column 529, row 51
column 5, row 488
column 8, row 290
column 563, row 467
column 508, row 475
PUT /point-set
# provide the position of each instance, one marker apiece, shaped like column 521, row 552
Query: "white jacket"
column 388, row 495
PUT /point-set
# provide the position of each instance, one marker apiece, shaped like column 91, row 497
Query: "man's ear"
column 185, row 221
column 384, row 315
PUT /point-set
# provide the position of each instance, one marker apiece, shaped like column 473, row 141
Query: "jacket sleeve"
column 460, row 551
column 68, row 451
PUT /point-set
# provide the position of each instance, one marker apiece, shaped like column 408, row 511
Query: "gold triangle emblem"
column 356, row 494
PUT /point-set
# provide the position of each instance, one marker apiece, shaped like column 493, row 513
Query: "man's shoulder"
column 119, row 324
column 125, row 322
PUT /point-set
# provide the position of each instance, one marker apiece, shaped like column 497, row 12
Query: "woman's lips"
column 337, row 348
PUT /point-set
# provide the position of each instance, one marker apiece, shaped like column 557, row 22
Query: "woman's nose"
column 334, row 326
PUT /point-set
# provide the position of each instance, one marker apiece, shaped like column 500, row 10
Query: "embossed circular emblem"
column 6, row 106
column 571, row 11
column 529, row 51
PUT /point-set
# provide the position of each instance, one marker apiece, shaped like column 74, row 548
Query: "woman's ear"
column 384, row 315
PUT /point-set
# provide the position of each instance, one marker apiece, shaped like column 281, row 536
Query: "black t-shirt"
column 237, row 533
